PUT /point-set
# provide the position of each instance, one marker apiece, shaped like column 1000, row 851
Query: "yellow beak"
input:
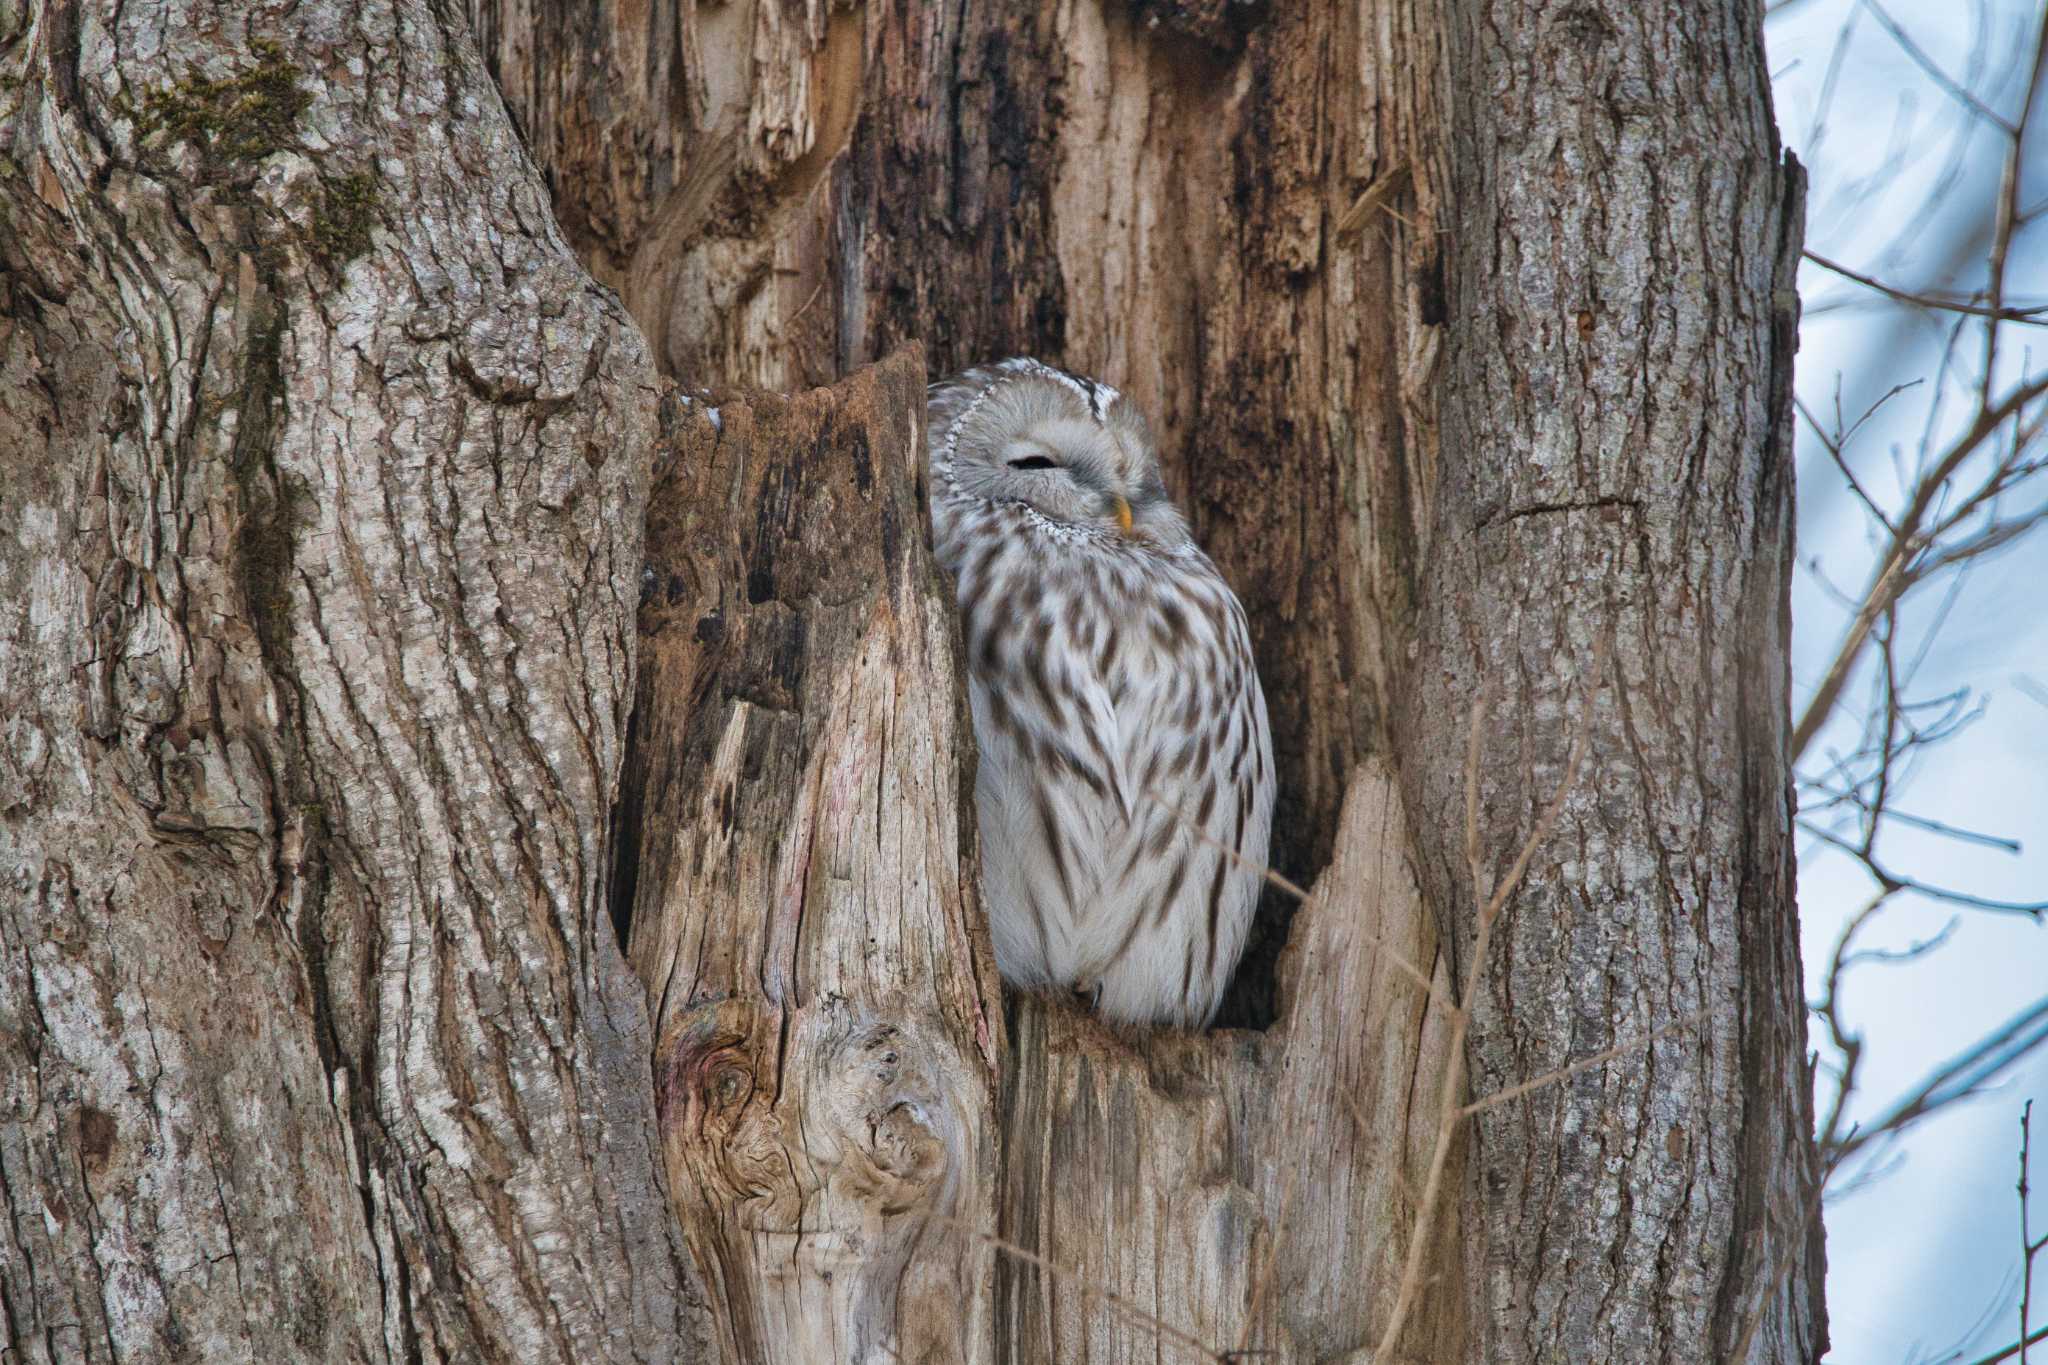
column 1123, row 516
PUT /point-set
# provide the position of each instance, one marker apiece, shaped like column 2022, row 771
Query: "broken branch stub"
column 801, row 897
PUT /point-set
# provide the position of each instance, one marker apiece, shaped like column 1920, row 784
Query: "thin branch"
column 1959, row 1077
column 1816, row 134
column 2028, row 1246
column 1890, row 582
column 2009, row 204
column 1847, row 1043
column 1895, row 573
column 1835, row 444
column 1947, row 831
column 1919, row 299
column 1280, row 1225
column 1088, row 1287
column 1307, row 900
column 1912, row 952
column 1933, row 69
column 1892, row 881
column 1599, row 1058
column 2015, row 1349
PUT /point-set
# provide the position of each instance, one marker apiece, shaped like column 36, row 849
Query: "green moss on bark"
column 245, row 117
column 344, row 217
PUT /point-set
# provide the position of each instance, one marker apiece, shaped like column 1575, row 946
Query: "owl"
column 1125, row 789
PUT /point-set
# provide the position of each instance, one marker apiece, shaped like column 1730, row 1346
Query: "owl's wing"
column 1053, row 796
column 1182, row 873
column 1065, row 706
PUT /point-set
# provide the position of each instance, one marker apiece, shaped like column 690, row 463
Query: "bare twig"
column 2028, row 1246
column 1957, row 1079
column 2009, row 203
column 1933, row 69
column 1921, row 299
column 1849, row 1044
column 1280, row 1225
column 1306, row 899
column 1894, row 881
column 1600, row 1058
column 2015, row 1349
column 1087, row 1287
column 1912, row 952
column 1932, row 826
column 1897, row 572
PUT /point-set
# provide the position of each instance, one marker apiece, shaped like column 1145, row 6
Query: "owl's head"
column 1075, row 451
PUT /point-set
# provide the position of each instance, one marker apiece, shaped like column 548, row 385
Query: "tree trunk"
column 830, row 1026
column 321, row 473
column 1618, row 389
column 1241, row 215
column 325, row 471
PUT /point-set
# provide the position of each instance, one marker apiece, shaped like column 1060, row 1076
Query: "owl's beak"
column 1121, row 510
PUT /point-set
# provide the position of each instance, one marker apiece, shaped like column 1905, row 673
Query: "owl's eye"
column 1034, row 462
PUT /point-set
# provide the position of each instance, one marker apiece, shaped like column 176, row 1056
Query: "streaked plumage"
column 1115, row 699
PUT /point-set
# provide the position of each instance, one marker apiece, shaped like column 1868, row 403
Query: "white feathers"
column 1126, row 781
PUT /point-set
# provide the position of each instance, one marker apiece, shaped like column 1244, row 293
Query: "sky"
column 1923, row 1245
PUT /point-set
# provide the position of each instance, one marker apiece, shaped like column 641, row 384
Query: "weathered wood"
column 1618, row 466
column 1252, row 1190
column 321, row 467
column 1241, row 215
column 325, row 469
column 804, row 907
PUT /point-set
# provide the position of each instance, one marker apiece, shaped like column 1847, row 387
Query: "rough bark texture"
column 324, row 472
column 1618, row 400
column 803, row 902
column 321, row 468
column 1219, row 206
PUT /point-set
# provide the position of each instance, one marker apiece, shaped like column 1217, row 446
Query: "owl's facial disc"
column 1114, row 507
column 1024, row 435
column 1066, row 469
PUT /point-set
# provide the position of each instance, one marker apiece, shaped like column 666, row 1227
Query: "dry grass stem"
column 1280, row 1225
column 1307, row 900
column 1587, row 1063
column 1088, row 1289
column 1451, row 1110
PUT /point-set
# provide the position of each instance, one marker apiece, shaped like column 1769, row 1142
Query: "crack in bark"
column 1544, row 509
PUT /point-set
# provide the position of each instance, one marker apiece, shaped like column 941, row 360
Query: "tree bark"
column 323, row 465
column 802, row 884
column 1618, row 392
column 326, row 469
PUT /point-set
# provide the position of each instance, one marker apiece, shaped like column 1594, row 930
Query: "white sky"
column 1923, row 1262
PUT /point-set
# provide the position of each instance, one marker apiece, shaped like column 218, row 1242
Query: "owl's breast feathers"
column 1127, row 778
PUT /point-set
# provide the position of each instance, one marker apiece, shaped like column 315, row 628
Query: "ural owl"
column 1123, row 736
